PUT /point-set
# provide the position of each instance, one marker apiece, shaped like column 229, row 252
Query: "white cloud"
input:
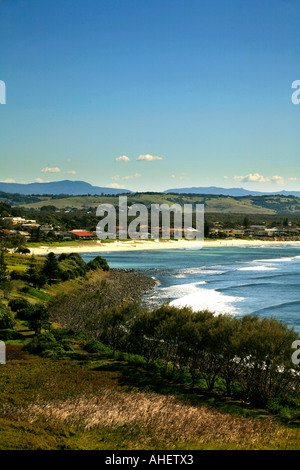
column 277, row 179
column 115, row 186
column 258, row 178
column 123, row 158
column 71, row 172
column 9, row 180
column 250, row 178
column 129, row 177
column 50, row 170
column 147, row 158
column 39, row 180
column 292, row 179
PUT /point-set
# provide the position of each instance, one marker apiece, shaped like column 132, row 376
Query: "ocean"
column 260, row 280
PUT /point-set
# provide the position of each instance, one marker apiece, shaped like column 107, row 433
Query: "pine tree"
column 51, row 268
column 31, row 272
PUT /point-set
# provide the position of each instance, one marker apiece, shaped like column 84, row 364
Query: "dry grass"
column 162, row 416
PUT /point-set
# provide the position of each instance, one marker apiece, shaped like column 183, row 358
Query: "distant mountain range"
column 74, row 188
column 234, row 192
column 77, row 188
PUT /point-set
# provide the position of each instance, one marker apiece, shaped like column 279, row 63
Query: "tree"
column 38, row 317
column 31, row 271
column 23, row 250
column 3, row 268
column 265, row 345
column 98, row 263
column 36, row 234
column 15, row 241
column 246, row 222
column 40, row 280
column 51, row 268
column 18, row 304
column 6, row 319
column 206, row 229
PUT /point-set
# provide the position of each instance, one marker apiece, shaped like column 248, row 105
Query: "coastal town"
column 19, row 230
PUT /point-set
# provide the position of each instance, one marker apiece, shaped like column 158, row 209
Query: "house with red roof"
column 81, row 234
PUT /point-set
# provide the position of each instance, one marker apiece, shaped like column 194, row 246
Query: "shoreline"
column 137, row 245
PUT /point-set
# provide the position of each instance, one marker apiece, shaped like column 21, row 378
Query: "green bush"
column 23, row 250
column 18, row 304
column 6, row 319
column 24, row 313
column 98, row 263
column 40, row 343
column 8, row 334
column 94, row 346
column 71, row 266
column 17, row 275
column 45, row 344
column 285, row 407
column 25, row 290
column 69, row 333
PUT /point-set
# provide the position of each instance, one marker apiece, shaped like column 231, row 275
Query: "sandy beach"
column 130, row 245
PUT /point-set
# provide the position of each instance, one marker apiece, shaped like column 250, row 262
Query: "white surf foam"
column 256, row 268
column 189, row 271
column 208, row 299
column 199, row 298
column 275, row 260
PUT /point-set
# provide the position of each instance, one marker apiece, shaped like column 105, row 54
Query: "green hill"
column 269, row 204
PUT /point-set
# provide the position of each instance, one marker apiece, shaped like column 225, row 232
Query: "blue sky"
column 203, row 86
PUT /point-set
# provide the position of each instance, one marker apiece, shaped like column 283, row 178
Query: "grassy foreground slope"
column 99, row 401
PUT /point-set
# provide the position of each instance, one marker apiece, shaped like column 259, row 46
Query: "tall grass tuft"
column 162, row 416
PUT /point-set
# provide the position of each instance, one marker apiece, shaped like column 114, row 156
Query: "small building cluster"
column 31, row 230
column 254, row 231
column 26, row 228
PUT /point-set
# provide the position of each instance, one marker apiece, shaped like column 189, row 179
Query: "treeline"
column 235, row 220
column 53, row 269
column 63, row 268
column 249, row 356
column 86, row 218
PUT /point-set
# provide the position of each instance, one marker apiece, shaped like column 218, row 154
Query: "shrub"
column 23, row 250
column 6, row 319
column 45, row 344
column 284, row 406
column 8, row 334
column 24, row 313
column 69, row 333
column 71, row 266
column 94, row 346
column 98, row 263
column 18, row 304
column 36, row 315
column 17, row 275
column 25, row 290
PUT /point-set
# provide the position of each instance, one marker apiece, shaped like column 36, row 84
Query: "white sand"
column 131, row 245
